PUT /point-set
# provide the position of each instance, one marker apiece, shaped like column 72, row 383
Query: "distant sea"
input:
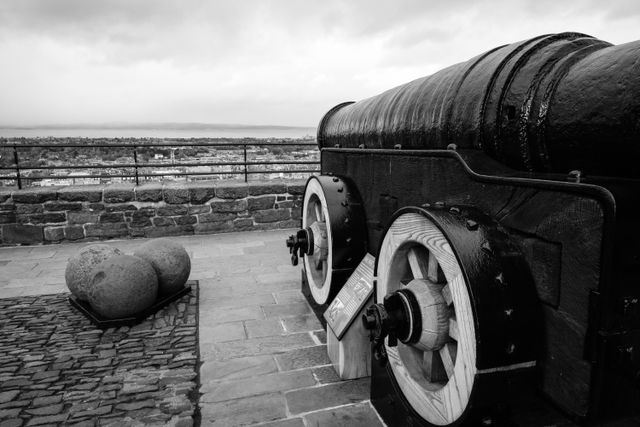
column 188, row 130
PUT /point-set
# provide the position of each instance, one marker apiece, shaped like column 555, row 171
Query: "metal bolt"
column 336, row 146
column 452, row 147
column 439, row 205
column 508, row 312
column 426, row 205
column 454, row 210
column 511, row 347
column 575, row 176
column 472, row 225
column 486, row 246
column 398, row 146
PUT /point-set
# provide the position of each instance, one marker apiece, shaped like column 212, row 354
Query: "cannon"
column 498, row 197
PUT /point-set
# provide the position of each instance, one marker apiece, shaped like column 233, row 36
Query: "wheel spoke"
column 453, row 329
column 419, row 268
column 448, row 356
column 434, row 370
column 434, row 272
column 318, row 209
column 325, row 268
column 446, row 294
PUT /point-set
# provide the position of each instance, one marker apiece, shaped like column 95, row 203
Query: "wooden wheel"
column 314, row 216
column 435, row 362
column 333, row 236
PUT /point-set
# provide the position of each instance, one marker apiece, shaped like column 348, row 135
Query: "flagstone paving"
column 263, row 352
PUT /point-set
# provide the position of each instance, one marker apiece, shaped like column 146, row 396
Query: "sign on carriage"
column 351, row 298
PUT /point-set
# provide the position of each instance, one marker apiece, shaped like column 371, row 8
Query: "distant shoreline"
column 163, row 130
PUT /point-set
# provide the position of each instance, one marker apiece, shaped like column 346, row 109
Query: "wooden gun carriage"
column 499, row 198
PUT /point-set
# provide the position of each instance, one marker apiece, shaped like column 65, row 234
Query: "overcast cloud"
column 253, row 62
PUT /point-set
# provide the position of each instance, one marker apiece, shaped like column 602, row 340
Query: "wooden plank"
column 419, row 266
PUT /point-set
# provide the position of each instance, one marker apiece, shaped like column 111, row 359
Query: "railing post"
column 246, row 175
column 135, row 162
column 17, row 162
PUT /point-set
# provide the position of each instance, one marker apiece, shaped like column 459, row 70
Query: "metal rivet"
column 361, row 146
column 453, row 147
column 340, row 189
column 486, row 421
column 348, row 239
column 344, row 203
column 336, row 146
column 439, row 205
column 575, row 176
column 500, row 279
column 454, row 210
column 346, row 220
column 398, row 146
column 336, row 179
column 472, row 225
column 508, row 312
column 426, row 205
column 486, row 247
column 511, row 347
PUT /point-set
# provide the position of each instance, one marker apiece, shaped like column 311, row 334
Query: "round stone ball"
column 122, row 286
column 78, row 271
column 171, row 262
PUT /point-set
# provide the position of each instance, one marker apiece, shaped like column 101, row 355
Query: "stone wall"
column 76, row 213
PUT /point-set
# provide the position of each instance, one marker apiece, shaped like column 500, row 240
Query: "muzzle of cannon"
column 499, row 198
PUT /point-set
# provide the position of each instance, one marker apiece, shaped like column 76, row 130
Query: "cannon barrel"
column 550, row 104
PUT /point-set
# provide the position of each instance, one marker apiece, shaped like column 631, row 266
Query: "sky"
column 255, row 62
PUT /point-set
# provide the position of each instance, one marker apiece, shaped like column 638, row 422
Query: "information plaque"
column 353, row 295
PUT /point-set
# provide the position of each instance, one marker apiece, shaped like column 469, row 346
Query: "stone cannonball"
column 171, row 262
column 78, row 271
column 122, row 286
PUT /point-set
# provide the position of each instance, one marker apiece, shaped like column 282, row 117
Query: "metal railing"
column 137, row 169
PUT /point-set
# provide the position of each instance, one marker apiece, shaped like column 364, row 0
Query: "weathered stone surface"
column 259, row 188
column 326, row 375
column 283, row 310
column 242, row 367
column 122, row 286
column 62, row 206
column 200, row 209
column 242, row 224
column 342, row 393
column 228, row 205
column 301, row 323
column 170, row 261
column 34, row 195
column 18, row 233
column 74, row 232
column 271, row 215
column 359, row 415
column 79, row 267
column 263, row 328
column 111, row 217
column 227, row 390
column 106, row 230
column 151, row 192
column 265, row 345
column 85, row 193
column 53, row 234
column 232, row 191
column 5, row 194
column 163, row 221
column 172, row 210
column 7, row 217
column 27, row 209
column 119, row 193
column 176, row 230
column 48, row 218
column 303, row 358
column 7, row 396
column 82, row 218
column 244, row 411
column 123, row 207
column 296, row 187
column 176, row 194
column 216, row 217
column 185, row 220
column 287, row 422
column 213, row 227
column 260, row 203
column 201, row 193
